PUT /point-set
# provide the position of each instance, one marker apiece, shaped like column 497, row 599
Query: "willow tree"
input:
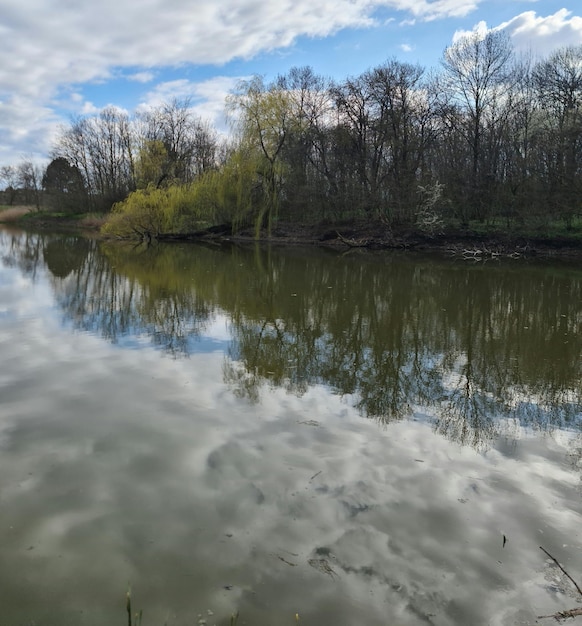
column 152, row 165
column 264, row 121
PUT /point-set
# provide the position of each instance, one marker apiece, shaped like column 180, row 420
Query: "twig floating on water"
column 565, row 572
column 562, row 615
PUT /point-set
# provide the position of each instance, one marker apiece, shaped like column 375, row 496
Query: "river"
column 293, row 435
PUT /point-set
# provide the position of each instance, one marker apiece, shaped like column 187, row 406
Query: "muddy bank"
column 370, row 235
column 28, row 217
column 377, row 236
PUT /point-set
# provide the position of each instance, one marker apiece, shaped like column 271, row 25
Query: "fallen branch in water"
column 565, row 572
column 485, row 253
column 563, row 615
column 352, row 243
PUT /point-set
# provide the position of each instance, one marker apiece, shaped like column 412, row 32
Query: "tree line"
column 489, row 136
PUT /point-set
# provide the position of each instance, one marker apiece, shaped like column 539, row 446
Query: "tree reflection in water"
column 479, row 349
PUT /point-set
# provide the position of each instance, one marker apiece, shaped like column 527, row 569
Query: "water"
column 358, row 439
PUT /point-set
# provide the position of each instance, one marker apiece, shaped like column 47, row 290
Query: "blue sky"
column 62, row 58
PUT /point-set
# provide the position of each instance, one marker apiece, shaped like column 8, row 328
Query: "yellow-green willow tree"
column 151, row 165
column 264, row 120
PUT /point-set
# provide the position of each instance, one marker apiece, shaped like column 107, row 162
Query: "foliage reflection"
column 479, row 349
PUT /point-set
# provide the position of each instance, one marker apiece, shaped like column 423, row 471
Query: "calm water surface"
column 349, row 438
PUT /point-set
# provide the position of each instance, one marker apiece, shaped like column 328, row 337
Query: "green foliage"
column 536, row 229
column 485, row 140
column 257, row 184
column 233, row 195
column 152, row 164
column 64, row 186
column 265, row 122
column 151, row 211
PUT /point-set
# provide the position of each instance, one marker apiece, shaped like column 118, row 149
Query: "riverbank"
column 31, row 217
column 488, row 242
column 479, row 241
column 13, row 213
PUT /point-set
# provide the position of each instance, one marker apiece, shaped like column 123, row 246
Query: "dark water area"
column 353, row 438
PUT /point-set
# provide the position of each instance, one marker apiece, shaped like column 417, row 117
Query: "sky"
column 64, row 58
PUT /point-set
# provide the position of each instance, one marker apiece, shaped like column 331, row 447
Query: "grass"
column 29, row 215
column 534, row 229
column 132, row 620
column 135, row 619
column 544, row 233
column 13, row 213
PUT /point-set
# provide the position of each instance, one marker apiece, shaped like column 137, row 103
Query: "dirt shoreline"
column 345, row 236
column 376, row 236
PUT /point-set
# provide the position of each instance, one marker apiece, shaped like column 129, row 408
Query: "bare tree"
column 355, row 146
column 101, row 148
column 189, row 142
column 558, row 83
column 29, row 179
column 305, row 150
column 402, row 121
column 205, row 142
column 386, row 119
column 9, row 179
column 477, row 78
column 518, row 150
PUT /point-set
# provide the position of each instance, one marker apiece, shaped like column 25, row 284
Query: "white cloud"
column 211, row 96
column 180, row 89
column 480, row 28
column 406, row 47
column 49, row 49
column 26, row 127
column 89, row 108
column 541, row 35
column 534, row 33
column 141, row 77
column 207, row 97
column 429, row 11
column 46, row 47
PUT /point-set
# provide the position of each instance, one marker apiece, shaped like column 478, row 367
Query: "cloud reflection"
column 126, row 465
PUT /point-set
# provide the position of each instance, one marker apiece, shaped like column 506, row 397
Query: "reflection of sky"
column 204, row 343
column 124, row 324
column 125, row 465
column 21, row 295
